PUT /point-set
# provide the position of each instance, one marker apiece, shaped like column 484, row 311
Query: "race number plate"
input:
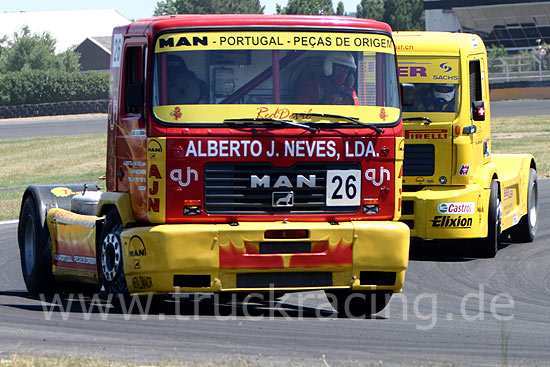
column 343, row 187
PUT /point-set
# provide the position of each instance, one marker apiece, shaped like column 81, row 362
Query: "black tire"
column 487, row 247
column 110, row 258
column 358, row 304
column 526, row 229
column 35, row 247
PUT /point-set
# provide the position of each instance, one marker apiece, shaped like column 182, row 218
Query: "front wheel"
column 111, row 266
column 526, row 229
column 358, row 304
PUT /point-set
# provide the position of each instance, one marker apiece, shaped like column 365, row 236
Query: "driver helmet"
column 445, row 91
column 341, row 58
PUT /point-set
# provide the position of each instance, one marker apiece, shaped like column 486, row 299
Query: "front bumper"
column 221, row 257
column 430, row 215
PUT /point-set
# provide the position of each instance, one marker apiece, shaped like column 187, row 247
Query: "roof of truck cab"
column 156, row 24
column 437, row 43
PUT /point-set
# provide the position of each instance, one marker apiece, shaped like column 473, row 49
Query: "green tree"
column 165, row 7
column 371, row 9
column 307, row 7
column 401, row 15
column 34, row 51
column 340, row 9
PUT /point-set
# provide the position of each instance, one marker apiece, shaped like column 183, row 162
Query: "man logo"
column 137, row 247
column 279, row 199
column 154, row 147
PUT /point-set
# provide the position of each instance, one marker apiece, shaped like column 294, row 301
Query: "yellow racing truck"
column 454, row 187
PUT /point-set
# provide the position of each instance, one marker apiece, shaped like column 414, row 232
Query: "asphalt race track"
column 453, row 310
column 53, row 126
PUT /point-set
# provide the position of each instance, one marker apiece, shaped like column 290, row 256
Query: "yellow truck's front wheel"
column 526, row 229
column 488, row 246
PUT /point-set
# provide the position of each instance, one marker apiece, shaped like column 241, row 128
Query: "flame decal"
column 235, row 257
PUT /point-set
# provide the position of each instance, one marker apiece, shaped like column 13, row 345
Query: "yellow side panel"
column 513, row 174
column 73, row 244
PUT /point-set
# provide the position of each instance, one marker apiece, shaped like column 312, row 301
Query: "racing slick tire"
column 526, row 229
column 350, row 304
column 35, row 248
column 487, row 247
column 110, row 259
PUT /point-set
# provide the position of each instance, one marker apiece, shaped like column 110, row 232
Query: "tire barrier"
column 54, row 109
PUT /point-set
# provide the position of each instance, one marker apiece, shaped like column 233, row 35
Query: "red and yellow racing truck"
column 245, row 154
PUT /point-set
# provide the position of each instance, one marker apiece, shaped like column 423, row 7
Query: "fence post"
column 505, row 68
column 538, row 60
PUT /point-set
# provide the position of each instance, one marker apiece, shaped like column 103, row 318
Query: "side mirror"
column 407, row 94
column 134, row 95
column 478, row 111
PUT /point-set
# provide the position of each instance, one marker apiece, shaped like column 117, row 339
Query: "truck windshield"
column 434, row 97
column 209, row 77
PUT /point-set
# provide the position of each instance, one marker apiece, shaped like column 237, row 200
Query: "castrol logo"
column 456, row 208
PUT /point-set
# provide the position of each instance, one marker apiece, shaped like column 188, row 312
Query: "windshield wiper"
column 285, row 122
column 426, row 120
column 347, row 118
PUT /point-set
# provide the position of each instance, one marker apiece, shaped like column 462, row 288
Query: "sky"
column 131, row 9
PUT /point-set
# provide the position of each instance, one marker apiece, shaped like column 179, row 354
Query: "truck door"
column 131, row 136
column 479, row 110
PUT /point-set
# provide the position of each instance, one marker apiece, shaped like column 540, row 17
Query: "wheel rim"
column 533, row 205
column 111, row 255
column 498, row 216
column 30, row 241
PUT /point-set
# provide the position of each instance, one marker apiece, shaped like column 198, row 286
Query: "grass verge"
column 47, row 160
column 31, row 360
column 528, row 134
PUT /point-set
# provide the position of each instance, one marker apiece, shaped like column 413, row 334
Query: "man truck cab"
column 220, row 179
column 454, row 187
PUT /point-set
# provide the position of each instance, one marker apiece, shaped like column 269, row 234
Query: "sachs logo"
column 445, row 67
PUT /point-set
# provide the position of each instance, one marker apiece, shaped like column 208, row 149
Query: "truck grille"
column 419, row 160
column 227, row 188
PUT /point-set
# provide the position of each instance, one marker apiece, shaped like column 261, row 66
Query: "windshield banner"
column 208, row 114
column 440, row 70
column 274, row 41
